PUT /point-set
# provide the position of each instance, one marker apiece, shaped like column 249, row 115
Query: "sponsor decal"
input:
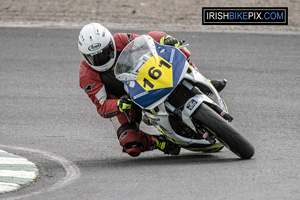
column 89, row 87
column 132, row 84
column 162, row 51
column 140, row 95
column 172, row 56
column 154, row 119
column 104, row 31
column 164, row 130
column 94, row 47
column 129, row 37
column 114, row 113
column 191, row 104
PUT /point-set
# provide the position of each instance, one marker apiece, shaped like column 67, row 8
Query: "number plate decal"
column 156, row 73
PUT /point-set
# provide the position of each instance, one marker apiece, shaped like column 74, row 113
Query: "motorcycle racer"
column 100, row 50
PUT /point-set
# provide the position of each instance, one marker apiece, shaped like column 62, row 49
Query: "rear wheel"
column 224, row 131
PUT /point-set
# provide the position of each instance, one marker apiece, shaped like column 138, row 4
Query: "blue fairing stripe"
column 177, row 59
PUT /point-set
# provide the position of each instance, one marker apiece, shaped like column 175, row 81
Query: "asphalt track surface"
column 48, row 119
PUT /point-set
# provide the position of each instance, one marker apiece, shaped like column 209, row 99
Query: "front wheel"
column 224, row 131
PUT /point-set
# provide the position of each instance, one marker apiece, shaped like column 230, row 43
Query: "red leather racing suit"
column 104, row 90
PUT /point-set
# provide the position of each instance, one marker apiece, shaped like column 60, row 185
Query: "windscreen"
column 133, row 56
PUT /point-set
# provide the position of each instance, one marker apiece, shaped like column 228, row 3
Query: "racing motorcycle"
column 178, row 100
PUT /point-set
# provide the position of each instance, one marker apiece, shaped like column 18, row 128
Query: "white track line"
column 15, row 161
column 4, row 187
column 12, row 172
column 18, row 174
column 72, row 172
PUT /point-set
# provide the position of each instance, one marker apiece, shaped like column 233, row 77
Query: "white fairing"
column 152, row 106
column 161, row 119
column 196, row 76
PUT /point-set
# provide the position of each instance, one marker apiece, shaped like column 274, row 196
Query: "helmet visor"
column 101, row 57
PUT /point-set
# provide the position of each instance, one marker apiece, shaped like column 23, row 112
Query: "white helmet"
column 97, row 46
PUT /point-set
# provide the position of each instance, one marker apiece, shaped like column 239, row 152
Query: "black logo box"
column 244, row 16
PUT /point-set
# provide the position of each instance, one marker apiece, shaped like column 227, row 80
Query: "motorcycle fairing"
column 167, row 58
column 201, row 147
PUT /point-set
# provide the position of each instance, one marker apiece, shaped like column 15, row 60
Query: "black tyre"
column 224, row 131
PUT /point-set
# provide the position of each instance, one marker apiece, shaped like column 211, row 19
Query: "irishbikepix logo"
column 245, row 16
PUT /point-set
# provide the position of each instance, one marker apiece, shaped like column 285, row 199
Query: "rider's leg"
column 219, row 84
column 130, row 137
column 166, row 146
column 135, row 141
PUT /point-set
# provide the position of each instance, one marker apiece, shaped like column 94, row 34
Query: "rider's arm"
column 122, row 39
column 157, row 35
column 90, row 82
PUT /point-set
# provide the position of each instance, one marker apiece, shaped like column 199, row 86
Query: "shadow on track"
column 164, row 160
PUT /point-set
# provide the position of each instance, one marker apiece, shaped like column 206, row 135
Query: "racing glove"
column 124, row 103
column 169, row 40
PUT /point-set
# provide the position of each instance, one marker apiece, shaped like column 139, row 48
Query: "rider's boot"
column 219, row 84
column 166, row 146
column 134, row 142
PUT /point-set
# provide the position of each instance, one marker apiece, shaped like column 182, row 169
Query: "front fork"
column 191, row 106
